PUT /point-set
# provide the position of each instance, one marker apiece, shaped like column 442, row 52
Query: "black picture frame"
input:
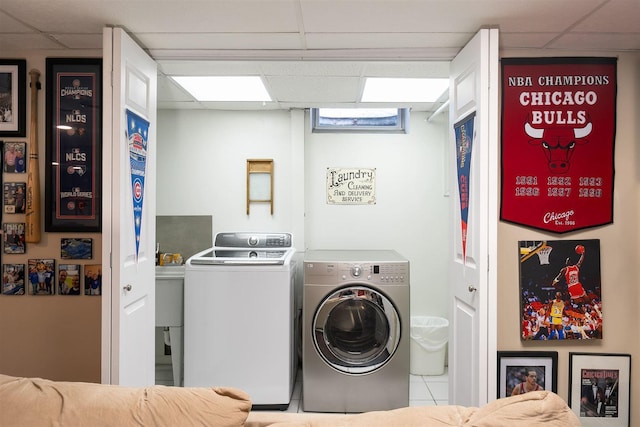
column 73, row 174
column 611, row 373
column 513, row 367
column 13, row 95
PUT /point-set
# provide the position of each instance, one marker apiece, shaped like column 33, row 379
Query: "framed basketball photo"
column 560, row 290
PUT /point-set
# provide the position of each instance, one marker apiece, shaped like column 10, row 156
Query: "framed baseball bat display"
column 74, row 145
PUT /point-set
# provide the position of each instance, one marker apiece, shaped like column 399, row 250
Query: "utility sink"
column 170, row 310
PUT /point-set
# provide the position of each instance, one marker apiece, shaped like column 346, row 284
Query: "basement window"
column 391, row 120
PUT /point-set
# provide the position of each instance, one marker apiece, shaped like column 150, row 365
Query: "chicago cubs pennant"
column 464, row 142
column 137, row 133
column 558, row 130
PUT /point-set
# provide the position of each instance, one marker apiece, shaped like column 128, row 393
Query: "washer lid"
column 216, row 256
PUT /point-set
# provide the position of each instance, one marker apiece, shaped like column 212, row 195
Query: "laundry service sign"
column 558, row 131
column 351, row 186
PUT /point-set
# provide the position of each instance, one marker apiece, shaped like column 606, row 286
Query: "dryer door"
column 356, row 329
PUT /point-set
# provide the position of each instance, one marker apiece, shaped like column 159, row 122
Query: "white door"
column 472, row 337
column 128, row 304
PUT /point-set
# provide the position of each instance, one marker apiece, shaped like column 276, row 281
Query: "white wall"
column 202, row 164
column 202, row 171
column 411, row 214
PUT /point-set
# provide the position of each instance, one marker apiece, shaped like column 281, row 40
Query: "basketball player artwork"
column 557, row 149
column 560, row 290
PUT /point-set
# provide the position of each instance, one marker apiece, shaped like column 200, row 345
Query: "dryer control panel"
column 383, row 273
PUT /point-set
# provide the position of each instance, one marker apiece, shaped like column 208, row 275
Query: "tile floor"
column 423, row 390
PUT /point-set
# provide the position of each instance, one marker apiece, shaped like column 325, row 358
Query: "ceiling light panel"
column 403, row 89
column 224, row 88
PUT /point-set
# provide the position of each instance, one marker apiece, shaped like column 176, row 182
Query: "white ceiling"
column 314, row 52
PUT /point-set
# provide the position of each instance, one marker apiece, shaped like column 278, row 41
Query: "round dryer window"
column 356, row 329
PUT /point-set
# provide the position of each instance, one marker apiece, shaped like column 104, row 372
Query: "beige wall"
column 56, row 337
column 618, row 245
column 59, row 337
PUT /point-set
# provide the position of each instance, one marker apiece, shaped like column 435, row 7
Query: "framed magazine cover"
column 14, row 195
column 74, row 145
column 599, row 388
column 524, row 371
column 14, row 237
column 13, row 97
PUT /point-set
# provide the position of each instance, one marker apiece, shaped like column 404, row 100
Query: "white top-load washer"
column 239, row 316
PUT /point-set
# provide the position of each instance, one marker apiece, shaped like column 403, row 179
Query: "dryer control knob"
column 356, row 271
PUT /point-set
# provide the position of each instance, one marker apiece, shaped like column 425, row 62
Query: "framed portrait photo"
column 599, row 387
column 13, row 97
column 524, row 371
column 14, row 158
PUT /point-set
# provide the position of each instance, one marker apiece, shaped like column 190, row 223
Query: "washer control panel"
column 253, row 240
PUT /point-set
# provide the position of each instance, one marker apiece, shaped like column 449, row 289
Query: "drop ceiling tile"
column 9, row 25
column 209, row 67
column 385, row 40
column 80, row 41
column 316, row 89
column 620, row 16
column 312, row 68
column 442, row 15
column 612, row 42
column 407, row 69
column 21, row 42
column 206, row 41
column 525, row 40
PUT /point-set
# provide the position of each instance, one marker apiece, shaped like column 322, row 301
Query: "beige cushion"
column 542, row 408
column 36, row 402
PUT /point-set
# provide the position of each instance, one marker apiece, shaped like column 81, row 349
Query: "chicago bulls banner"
column 558, row 131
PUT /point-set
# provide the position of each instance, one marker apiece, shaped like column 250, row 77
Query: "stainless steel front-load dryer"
column 355, row 339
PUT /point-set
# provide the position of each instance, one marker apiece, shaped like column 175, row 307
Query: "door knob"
column 127, row 288
column 472, row 288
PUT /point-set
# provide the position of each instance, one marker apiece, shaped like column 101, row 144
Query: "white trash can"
column 429, row 337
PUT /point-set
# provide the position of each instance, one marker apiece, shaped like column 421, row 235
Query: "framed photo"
column 93, row 279
column 71, row 248
column 42, row 276
column 74, row 145
column 14, row 195
column 524, row 371
column 14, row 238
column 13, row 97
column 12, row 279
column 560, row 290
column 599, row 387
column 69, row 279
column 15, row 157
